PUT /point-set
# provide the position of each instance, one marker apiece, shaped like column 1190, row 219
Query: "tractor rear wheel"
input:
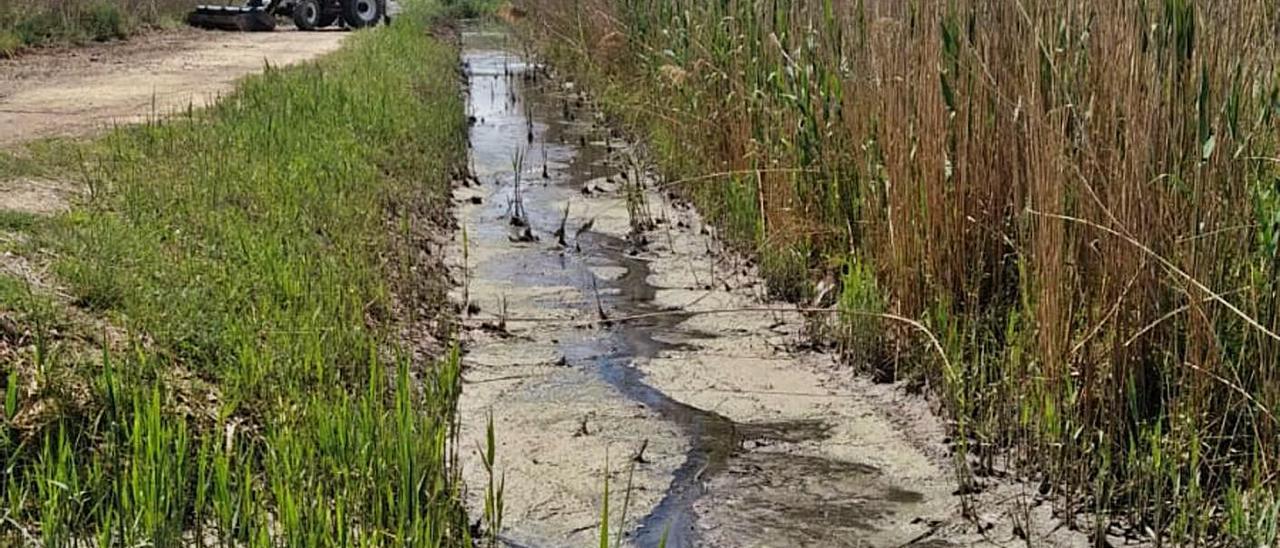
column 307, row 14
column 363, row 13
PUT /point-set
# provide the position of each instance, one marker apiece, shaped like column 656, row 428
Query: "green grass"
column 10, row 43
column 18, row 221
column 466, row 9
column 252, row 257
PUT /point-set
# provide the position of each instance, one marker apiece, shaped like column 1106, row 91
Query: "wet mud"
column 712, row 429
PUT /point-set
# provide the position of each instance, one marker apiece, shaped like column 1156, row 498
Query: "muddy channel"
column 726, row 435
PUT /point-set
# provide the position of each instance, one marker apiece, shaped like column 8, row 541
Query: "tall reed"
column 1080, row 198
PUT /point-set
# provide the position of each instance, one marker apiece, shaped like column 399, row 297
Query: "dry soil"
column 74, row 91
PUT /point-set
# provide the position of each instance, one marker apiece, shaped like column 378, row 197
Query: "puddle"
column 564, row 397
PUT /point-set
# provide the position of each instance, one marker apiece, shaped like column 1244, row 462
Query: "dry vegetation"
column 25, row 23
column 1080, row 199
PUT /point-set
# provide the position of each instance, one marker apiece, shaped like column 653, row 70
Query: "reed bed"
column 1079, row 198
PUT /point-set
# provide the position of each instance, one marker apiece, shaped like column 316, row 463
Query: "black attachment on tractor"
column 254, row 16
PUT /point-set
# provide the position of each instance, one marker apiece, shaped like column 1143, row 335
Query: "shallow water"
column 779, row 495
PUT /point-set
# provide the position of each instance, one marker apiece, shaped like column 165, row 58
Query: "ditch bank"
column 609, row 332
column 204, row 351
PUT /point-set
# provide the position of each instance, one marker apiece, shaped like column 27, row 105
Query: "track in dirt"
column 73, row 92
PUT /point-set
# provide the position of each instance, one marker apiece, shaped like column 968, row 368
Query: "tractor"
column 260, row 15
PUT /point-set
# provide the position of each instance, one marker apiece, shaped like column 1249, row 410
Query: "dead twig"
column 560, row 232
column 639, row 456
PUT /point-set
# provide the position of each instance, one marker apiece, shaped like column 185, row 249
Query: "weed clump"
column 51, row 22
column 786, row 272
column 103, row 21
column 859, row 302
column 470, row 9
column 10, row 43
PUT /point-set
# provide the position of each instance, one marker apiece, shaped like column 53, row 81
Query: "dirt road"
column 71, row 92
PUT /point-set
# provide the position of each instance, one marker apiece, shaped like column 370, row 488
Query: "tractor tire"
column 359, row 14
column 307, row 15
